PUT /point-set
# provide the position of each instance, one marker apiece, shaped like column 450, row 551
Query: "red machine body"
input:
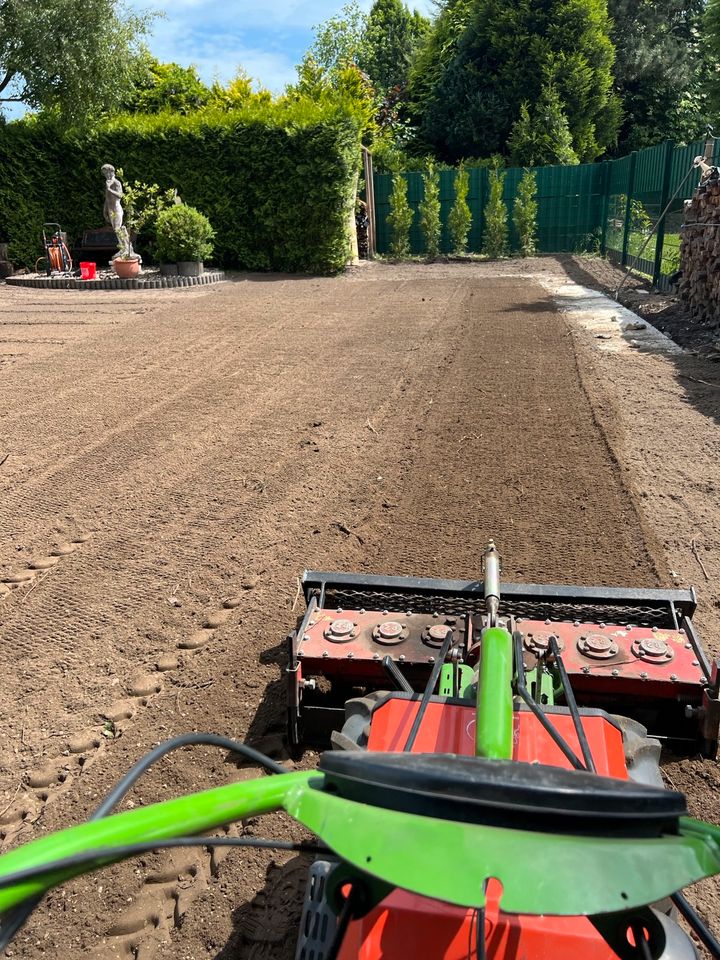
column 406, row 925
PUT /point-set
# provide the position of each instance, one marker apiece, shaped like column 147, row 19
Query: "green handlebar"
column 494, row 720
column 183, row 816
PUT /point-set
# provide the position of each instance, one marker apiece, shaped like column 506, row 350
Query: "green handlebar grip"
column 494, row 720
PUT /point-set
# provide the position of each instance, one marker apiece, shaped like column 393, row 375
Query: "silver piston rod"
column 491, row 567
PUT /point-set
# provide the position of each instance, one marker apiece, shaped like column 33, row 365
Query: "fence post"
column 628, row 207
column 664, row 197
column 607, row 176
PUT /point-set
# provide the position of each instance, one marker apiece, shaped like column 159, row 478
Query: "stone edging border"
column 115, row 283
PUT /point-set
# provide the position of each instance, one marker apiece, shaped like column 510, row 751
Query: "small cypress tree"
column 460, row 217
column 430, row 211
column 525, row 214
column 495, row 242
column 400, row 217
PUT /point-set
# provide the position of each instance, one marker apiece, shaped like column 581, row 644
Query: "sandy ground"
column 176, row 459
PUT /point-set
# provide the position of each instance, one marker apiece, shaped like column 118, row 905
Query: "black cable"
column 184, row 740
column 343, row 923
column 697, row 924
column 17, row 918
column 114, row 854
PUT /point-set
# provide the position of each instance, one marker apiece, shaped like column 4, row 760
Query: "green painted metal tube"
column 184, row 816
column 494, row 721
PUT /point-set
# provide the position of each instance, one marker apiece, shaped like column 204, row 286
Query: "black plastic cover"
column 524, row 796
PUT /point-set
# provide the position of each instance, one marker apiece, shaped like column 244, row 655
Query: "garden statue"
column 113, row 212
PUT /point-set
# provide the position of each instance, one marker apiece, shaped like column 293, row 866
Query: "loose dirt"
column 175, row 460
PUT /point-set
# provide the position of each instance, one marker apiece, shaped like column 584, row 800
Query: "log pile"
column 699, row 274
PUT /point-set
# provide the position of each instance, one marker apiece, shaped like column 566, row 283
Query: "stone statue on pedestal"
column 113, row 212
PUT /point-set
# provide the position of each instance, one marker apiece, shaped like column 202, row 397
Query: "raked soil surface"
column 176, row 459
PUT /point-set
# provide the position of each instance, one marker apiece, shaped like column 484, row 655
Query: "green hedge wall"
column 277, row 184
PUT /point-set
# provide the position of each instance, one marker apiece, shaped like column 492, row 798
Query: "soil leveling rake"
column 481, row 800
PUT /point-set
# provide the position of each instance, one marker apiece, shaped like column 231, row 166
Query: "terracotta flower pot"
column 127, row 269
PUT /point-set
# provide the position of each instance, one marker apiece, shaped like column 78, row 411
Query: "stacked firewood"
column 699, row 274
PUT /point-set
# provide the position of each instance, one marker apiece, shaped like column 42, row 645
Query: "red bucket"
column 87, row 271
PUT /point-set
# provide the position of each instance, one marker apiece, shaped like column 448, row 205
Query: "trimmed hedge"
column 277, row 183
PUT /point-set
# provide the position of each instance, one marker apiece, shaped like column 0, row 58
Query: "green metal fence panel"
column 614, row 206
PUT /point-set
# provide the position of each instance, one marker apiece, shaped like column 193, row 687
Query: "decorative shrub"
column 276, row 181
column 525, row 214
column 400, row 217
column 460, row 217
column 430, row 223
column 495, row 241
column 183, row 233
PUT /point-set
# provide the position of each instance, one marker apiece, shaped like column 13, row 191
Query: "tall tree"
column 340, row 40
column 659, row 70
column 392, row 35
column 492, row 56
column 73, row 56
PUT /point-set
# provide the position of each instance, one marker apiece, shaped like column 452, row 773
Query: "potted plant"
column 127, row 267
column 184, row 236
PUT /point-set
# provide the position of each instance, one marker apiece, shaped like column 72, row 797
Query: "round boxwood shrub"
column 183, row 233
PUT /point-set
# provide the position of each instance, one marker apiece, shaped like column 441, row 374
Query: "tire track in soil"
column 429, row 386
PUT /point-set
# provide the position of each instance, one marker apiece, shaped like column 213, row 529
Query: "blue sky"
column 266, row 37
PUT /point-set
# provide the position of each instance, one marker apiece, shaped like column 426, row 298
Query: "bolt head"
column 362, row 610
column 703, row 681
column 401, row 657
column 547, row 621
column 616, row 673
column 654, row 629
column 576, row 623
column 643, row 675
column 339, row 609
column 688, row 646
column 435, row 614
column 376, row 656
column 350, row 654
column 586, row 669
column 673, row 677
column 431, row 659
column 385, row 612
column 325, row 654
column 695, row 663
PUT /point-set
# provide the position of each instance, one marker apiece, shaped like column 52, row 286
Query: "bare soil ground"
column 176, row 459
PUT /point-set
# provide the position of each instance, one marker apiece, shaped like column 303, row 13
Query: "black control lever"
column 393, row 671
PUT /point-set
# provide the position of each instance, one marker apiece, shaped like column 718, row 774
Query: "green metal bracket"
column 446, row 687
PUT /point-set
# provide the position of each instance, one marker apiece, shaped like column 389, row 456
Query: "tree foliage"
column 429, row 211
column 487, row 57
column 166, row 86
column 662, row 68
column 391, row 37
column 495, row 240
column 525, row 211
column 542, row 136
column 74, row 57
column 460, row 216
column 341, row 39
